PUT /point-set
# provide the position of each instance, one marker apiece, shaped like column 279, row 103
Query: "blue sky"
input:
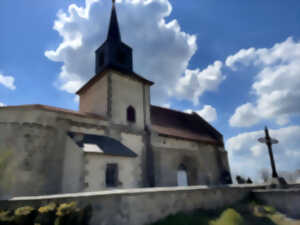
column 240, row 94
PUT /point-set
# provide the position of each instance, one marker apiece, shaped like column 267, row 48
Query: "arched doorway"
column 182, row 176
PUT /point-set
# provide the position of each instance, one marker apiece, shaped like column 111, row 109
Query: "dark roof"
column 114, row 30
column 183, row 125
column 108, row 145
column 114, row 68
column 54, row 109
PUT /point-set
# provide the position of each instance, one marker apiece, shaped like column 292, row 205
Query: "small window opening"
column 112, row 175
column 130, row 114
column 182, row 177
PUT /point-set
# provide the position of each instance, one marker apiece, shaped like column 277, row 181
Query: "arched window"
column 182, row 177
column 130, row 114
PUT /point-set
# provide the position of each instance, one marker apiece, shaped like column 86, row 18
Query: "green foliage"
column 69, row 214
column 25, row 215
column 6, row 217
column 46, row 214
column 47, row 208
column 244, row 213
column 185, row 219
column 229, row 216
column 269, row 209
column 64, row 214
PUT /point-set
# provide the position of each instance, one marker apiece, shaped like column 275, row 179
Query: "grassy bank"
column 245, row 213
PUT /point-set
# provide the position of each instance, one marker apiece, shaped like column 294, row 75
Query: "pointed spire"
column 113, row 31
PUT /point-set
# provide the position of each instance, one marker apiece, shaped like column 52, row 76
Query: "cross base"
column 278, row 182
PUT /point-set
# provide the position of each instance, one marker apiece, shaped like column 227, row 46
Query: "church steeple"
column 113, row 53
column 114, row 30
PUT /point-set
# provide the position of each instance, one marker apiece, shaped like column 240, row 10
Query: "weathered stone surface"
column 142, row 206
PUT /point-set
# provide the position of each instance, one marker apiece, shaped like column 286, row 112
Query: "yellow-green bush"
column 6, row 217
column 229, row 216
column 64, row 214
column 25, row 215
column 46, row 214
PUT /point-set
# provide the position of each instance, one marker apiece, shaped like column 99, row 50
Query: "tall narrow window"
column 182, row 178
column 111, row 175
column 130, row 114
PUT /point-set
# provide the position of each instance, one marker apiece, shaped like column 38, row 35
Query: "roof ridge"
column 173, row 110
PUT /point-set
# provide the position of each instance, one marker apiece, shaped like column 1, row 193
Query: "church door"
column 182, row 178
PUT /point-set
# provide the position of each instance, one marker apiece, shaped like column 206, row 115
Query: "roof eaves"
column 110, row 68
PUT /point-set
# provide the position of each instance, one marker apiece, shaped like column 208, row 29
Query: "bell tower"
column 113, row 52
column 116, row 92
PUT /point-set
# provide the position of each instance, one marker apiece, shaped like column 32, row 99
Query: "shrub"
column 46, row 214
column 64, row 214
column 6, row 217
column 68, row 214
column 25, row 215
column 229, row 216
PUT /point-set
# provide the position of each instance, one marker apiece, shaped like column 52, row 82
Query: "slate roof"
column 164, row 121
column 184, row 125
column 108, row 145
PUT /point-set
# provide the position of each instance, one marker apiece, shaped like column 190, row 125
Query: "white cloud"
column 2, row 104
column 276, row 85
column 195, row 82
column 244, row 111
column 7, row 81
column 162, row 51
column 247, row 156
column 166, row 105
column 208, row 112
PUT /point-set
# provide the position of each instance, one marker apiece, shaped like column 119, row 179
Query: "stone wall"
column 95, row 98
column 142, row 206
column 286, row 201
column 128, row 92
column 31, row 167
column 204, row 162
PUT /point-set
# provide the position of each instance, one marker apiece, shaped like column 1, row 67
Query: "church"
column 116, row 139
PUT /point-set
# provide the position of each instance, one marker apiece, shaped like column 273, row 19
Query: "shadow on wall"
column 14, row 178
column 7, row 166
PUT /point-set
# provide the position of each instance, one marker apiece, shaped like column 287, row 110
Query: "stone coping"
column 269, row 190
column 135, row 191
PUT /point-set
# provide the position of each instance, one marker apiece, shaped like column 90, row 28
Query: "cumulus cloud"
column 161, row 50
column 7, row 81
column 2, row 104
column 208, row 112
column 247, row 156
column 276, row 85
column 195, row 82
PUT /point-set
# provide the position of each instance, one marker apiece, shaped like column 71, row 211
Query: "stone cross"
column 269, row 142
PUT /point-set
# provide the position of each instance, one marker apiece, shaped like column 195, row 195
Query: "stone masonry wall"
column 287, row 200
column 141, row 206
column 201, row 160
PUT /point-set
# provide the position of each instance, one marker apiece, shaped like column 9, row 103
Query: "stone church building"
column 117, row 139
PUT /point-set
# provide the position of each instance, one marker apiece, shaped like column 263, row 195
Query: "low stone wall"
column 142, row 206
column 286, row 200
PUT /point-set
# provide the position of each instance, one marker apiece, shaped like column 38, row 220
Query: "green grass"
column 244, row 213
